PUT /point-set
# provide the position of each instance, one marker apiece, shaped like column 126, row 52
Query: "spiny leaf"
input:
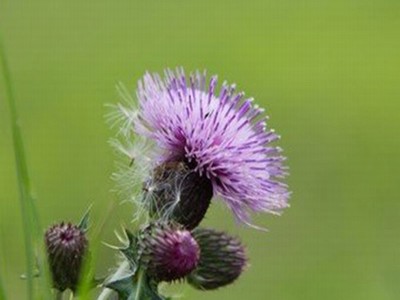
column 123, row 286
column 136, row 287
column 131, row 250
column 84, row 222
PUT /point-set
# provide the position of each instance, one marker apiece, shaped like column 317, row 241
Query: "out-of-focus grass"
column 25, row 197
column 326, row 71
column 2, row 290
column 32, row 230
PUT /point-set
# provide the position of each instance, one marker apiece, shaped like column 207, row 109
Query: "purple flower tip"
column 184, row 252
column 168, row 253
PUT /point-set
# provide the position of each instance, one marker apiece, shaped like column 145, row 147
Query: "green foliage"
column 88, row 280
column 84, row 222
column 136, row 286
column 131, row 250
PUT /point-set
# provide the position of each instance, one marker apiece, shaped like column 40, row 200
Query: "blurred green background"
column 328, row 73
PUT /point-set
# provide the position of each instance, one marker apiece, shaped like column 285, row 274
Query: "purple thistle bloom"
column 221, row 135
column 168, row 252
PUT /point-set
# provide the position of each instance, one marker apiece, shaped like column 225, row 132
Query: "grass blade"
column 28, row 211
column 2, row 291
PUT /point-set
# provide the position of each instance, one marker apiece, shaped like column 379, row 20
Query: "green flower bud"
column 222, row 259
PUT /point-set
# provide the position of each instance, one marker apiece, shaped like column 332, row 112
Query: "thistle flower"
column 167, row 252
column 222, row 259
column 66, row 246
column 222, row 137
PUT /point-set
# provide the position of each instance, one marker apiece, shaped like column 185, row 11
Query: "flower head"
column 222, row 259
column 168, row 252
column 66, row 246
column 219, row 135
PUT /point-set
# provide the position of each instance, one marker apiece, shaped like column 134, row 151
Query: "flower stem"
column 140, row 285
column 59, row 295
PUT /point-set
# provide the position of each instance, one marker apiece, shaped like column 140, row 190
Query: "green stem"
column 58, row 295
column 140, row 284
column 26, row 200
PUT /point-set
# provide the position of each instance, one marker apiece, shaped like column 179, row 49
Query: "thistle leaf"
column 136, row 287
column 123, row 286
column 131, row 252
column 84, row 222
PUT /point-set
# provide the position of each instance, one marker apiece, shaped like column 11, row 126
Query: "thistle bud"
column 179, row 193
column 222, row 259
column 66, row 246
column 168, row 252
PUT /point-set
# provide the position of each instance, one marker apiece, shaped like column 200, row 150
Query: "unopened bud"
column 168, row 252
column 222, row 259
column 66, row 246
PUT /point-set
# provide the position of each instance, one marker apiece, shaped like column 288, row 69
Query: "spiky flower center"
column 185, row 252
column 65, row 235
